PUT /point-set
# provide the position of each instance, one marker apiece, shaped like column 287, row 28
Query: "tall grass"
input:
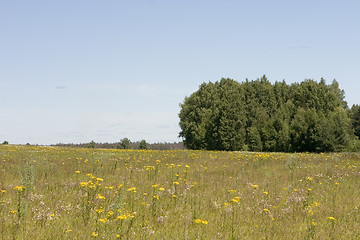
column 65, row 193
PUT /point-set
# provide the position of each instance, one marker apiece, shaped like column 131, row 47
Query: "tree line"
column 125, row 143
column 257, row 115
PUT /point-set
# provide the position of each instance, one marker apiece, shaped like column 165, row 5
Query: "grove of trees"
column 257, row 115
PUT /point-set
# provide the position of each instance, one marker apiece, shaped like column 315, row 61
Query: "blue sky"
column 82, row 70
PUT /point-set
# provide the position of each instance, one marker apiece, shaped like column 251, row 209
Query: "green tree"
column 195, row 117
column 254, row 140
column 230, row 112
column 92, row 144
column 355, row 119
column 283, row 138
column 143, row 144
column 319, row 132
column 124, row 144
column 303, row 130
column 213, row 118
column 340, row 126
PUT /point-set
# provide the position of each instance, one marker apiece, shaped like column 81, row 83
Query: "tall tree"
column 355, row 119
column 124, row 144
column 196, row 114
column 143, row 145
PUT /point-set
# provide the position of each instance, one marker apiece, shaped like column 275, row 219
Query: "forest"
column 258, row 116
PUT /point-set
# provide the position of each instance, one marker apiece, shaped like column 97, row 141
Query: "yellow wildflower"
column 310, row 212
column 19, row 188
column 100, row 210
column 201, row 221
column 110, row 214
column 198, row 221
column 161, row 189
column 99, row 196
column 83, row 184
column 121, row 217
column 90, row 175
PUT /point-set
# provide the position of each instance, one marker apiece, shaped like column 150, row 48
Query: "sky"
column 73, row 71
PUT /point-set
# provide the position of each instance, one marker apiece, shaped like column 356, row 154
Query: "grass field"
column 67, row 193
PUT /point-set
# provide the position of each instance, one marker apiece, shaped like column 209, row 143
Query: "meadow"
column 68, row 193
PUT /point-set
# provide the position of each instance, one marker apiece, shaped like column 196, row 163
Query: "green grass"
column 67, row 193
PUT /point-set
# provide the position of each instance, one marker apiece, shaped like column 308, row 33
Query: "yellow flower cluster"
column 19, row 188
column 90, row 183
column 101, row 197
column 199, row 221
column 125, row 216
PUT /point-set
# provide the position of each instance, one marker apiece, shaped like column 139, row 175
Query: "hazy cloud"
column 104, row 134
column 70, row 134
column 60, row 87
column 163, row 126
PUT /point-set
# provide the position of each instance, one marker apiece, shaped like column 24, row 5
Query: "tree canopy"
column 260, row 116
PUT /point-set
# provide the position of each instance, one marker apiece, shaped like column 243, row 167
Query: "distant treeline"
column 257, row 115
column 127, row 144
